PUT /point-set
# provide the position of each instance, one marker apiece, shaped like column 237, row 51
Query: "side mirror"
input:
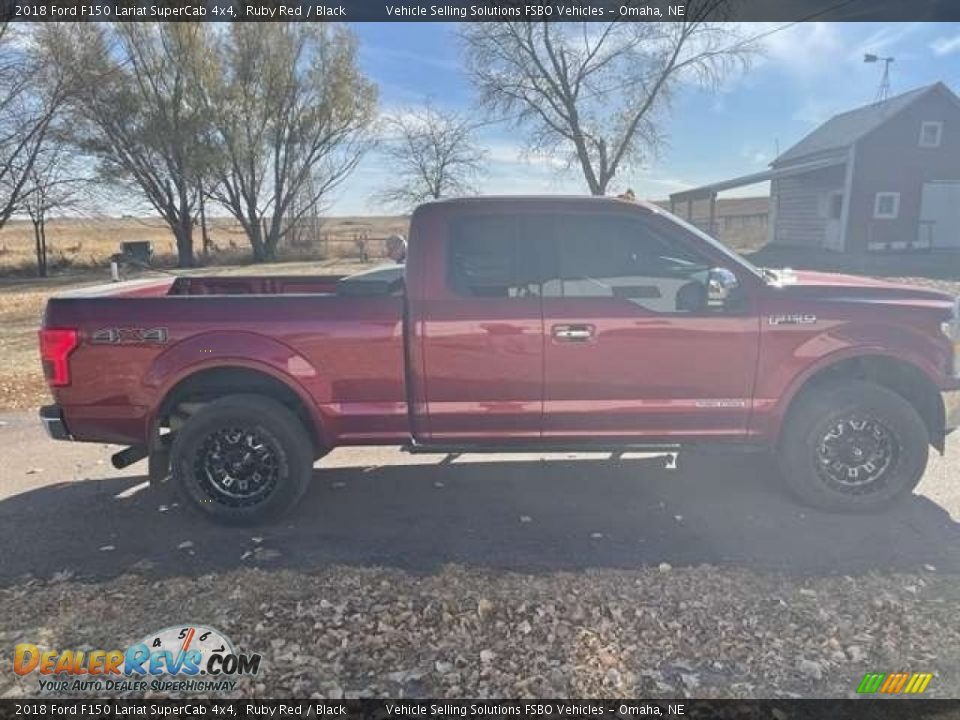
column 722, row 286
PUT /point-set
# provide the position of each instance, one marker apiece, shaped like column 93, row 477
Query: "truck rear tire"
column 242, row 459
column 852, row 447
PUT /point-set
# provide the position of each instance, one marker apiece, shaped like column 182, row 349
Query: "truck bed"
column 338, row 343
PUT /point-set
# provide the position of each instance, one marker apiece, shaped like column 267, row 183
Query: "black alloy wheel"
column 852, row 446
column 242, row 459
column 856, row 454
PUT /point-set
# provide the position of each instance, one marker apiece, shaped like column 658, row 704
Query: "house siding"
column 890, row 159
column 800, row 207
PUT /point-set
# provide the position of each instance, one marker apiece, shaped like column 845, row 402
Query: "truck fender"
column 250, row 351
column 798, row 383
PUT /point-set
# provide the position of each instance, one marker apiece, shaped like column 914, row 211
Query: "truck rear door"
column 476, row 329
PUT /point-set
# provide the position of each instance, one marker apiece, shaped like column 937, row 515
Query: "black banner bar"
column 481, row 10
column 381, row 709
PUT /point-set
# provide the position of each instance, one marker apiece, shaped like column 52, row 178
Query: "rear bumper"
column 951, row 406
column 52, row 418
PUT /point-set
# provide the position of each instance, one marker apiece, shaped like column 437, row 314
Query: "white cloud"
column 818, row 50
column 410, row 57
column 945, row 45
column 510, row 153
column 814, row 111
column 666, row 182
column 406, row 114
column 804, row 50
column 888, row 37
column 755, row 156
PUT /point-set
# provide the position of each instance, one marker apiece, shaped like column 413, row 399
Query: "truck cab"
column 591, row 320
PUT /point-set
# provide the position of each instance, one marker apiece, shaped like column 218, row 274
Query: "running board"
column 616, row 449
column 418, row 449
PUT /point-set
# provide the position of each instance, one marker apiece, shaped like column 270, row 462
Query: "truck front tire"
column 852, row 447
column 242, row 459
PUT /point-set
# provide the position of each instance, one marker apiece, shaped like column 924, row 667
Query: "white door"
column 940, row 215
column 833, row 230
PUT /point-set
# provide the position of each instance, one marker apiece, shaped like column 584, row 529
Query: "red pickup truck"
column 517, row 324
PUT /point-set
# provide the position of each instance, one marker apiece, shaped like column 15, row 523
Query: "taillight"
column 56, row 344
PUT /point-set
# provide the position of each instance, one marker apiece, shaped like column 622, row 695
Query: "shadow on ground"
column 524, row 516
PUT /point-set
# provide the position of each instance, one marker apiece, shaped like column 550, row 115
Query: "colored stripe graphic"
column 900, row 682
column 870, row 683
column 918, row 683
column 889, row 682
column 895, row 683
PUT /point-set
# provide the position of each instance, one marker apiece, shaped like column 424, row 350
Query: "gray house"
column 884, row 177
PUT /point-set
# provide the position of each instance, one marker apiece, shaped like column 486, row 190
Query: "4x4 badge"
column 129, row 336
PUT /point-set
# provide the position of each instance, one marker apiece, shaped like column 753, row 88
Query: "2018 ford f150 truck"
column 516, row 324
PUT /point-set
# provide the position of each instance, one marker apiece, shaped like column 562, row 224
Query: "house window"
column 886, row 205
column 931, row 132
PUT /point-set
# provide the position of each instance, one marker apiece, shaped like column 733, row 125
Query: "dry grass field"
column 76, row 243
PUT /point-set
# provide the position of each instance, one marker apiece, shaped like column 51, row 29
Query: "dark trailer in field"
column 883, row 177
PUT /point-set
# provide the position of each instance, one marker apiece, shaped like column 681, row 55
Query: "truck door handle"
column 573, row 333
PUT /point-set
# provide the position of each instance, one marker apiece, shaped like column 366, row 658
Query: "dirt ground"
column 655, row 633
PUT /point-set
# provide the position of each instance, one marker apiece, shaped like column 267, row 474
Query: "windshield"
column 736, row 257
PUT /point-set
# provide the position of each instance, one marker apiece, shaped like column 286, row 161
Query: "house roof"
column 843, row 130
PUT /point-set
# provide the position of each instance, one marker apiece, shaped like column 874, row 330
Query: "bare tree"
column 598, row 92
column 432, row 154
column 291, row 114
column 30, row 95
column 53, row 184
column 134, row 113
column 306, row 229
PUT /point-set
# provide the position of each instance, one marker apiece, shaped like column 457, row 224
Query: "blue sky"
column 808, row 72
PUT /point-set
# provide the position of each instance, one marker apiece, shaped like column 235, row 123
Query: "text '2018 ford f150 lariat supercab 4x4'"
column 517, row 324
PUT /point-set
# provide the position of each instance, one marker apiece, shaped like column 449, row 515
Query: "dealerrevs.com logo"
column 181, row 658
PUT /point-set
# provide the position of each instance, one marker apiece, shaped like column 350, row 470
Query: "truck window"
column 488, row 258
column 623, row 257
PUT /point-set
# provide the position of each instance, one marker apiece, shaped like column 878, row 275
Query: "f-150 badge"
column 130, row 336
column 792, row 319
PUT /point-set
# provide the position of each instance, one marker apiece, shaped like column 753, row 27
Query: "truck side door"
column 479, row 333
column 633, row 349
